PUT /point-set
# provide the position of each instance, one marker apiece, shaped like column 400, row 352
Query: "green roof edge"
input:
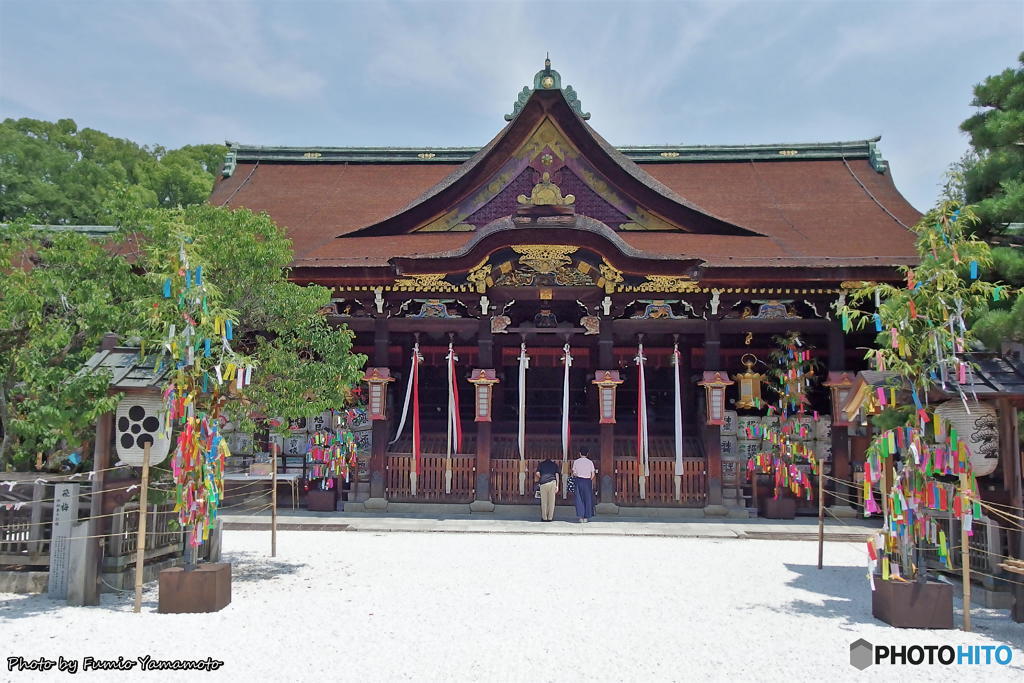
column 660, row 154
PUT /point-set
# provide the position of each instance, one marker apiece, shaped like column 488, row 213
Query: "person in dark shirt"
column 547, row 478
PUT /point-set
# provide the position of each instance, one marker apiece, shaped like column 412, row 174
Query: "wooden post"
column 140, row 539
column 1013, row 482
column 713, row 433
column 821, row 511
column 965, row 553
column 273, row 500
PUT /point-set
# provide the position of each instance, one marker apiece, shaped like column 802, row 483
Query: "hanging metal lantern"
column 483, row 381
column 750, row 383
column 714, row 383
column 606, row 381
column 377, row 400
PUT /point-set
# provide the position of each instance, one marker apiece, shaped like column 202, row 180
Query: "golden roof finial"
column 547, row 61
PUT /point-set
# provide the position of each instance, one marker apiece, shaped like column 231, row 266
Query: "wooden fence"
column 25, row 535
column 660, row 485
column 163, row 538
column 505, row 482
column 430, row 481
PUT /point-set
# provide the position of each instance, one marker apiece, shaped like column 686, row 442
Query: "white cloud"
column 229, row 44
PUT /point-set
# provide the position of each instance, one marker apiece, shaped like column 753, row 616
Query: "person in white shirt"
column 584, row 473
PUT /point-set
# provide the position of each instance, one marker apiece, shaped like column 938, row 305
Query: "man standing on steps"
column 547, row 478
column 583, row 473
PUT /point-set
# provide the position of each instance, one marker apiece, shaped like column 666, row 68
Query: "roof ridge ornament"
column 548, row 79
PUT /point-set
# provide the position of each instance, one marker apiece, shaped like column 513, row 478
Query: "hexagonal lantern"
column 750, row 383
column 483, row 381
column 606, row 381
column 714, row 383
column 377, row 400
column 839, row 383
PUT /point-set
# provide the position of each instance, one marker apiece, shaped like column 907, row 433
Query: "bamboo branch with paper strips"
column 918, row 459
column 205, row 373
column 792, row 376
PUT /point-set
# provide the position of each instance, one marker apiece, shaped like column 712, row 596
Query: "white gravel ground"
column 357, row 606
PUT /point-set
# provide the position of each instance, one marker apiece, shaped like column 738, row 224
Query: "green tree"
column 995, row 183
column 992, row 177
column 305, row 364
column 60, row 293
column 56, row 173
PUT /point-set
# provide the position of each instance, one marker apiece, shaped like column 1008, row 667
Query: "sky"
column 444, row 73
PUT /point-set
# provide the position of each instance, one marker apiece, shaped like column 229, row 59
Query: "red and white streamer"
column 524, row 365
column 642, row 442
column 678, row 414
column 417, row 455
column 567, row 362
column 408, row 394
column 454, row 424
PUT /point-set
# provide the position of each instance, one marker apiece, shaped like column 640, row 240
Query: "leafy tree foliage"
column 61, row 292
column 56, row 173
column 992, row 177
column 996, row 181
column 304, row 364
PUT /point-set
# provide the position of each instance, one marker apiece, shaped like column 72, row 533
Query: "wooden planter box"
column 207, row 588
column 913, row 605
column 319, row 500
column 783, row 507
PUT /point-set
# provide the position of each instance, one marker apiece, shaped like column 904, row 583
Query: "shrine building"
column 550, row 241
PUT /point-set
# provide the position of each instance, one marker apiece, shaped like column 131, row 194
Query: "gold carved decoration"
column 544, row 259
column 479, row 277
column 543, row 265
column 854, row 284
column 668, row 283
column 546, row 193
column 610, row 276
column 429, row 282
column 547, row 134
column 453, row 220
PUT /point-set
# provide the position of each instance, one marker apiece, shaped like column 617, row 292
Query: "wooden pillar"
column 94, row 546
column 380, row 430
column 606, row 443
column 840, row 438
column 482, row 495
column 1013, row 482
column 713, row 433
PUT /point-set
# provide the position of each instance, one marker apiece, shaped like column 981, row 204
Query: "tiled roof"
column 813, row 212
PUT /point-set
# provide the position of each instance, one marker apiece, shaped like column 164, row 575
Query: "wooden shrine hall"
column 550, row 241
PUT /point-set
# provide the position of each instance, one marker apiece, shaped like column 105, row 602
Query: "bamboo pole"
column 140, row 539
column 965, row 553
column 273, row 500
column 821, row 511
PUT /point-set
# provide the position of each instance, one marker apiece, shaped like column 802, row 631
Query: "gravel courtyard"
column 359, row 606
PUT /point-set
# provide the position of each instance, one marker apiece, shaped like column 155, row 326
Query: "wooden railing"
column 660, row 485
column 505, row 481
column 505, row 467
column 163, row 538
column 430, row 481
column 25, row 535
